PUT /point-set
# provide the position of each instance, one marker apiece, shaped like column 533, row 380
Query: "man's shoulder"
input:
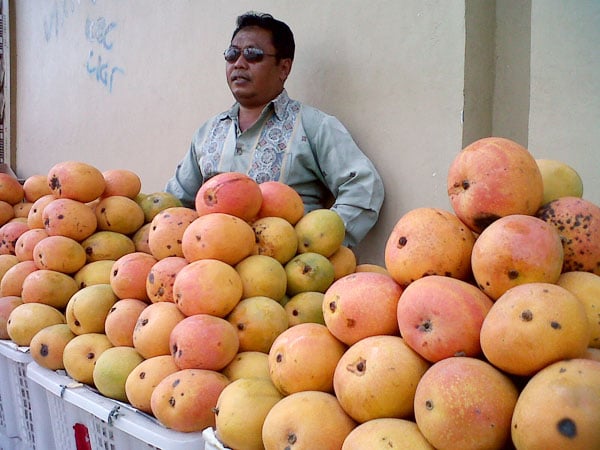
column 228, row 114
column 220, row 120
column 312, row 114
column 284, row 101
column 315, row 119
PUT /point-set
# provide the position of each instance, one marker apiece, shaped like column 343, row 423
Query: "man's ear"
column 285, row 67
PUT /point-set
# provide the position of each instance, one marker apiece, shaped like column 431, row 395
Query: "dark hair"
column 281, row 34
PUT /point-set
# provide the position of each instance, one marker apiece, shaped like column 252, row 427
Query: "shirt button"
column 238, row 149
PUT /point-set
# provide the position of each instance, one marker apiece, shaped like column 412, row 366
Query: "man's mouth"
column 239, row 77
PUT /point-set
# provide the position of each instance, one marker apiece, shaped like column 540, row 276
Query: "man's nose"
column 240, row 61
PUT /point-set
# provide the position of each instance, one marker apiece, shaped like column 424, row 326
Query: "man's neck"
column 249, row 113
column 247, row 116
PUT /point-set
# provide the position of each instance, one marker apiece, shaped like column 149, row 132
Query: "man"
column 269, row 136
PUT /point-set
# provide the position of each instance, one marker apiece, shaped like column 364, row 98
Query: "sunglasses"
column 251, row 54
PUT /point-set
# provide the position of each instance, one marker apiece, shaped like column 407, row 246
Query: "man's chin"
column 242, row 95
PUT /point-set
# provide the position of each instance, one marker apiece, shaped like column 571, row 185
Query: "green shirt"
column 295, row 144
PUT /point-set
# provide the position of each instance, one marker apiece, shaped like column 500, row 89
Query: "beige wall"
column 564, row 118
column 397, row 73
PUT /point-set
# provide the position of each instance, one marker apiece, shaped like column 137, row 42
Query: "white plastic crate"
column 211, row 440
column 19, row 418
column 8, row 426
column 9, row 443
column 82, row 419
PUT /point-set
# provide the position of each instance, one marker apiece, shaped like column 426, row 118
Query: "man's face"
column 254, row 84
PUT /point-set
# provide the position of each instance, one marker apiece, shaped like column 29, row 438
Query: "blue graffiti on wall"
column 98, row 33
column 60, row 11
column 98, row 30
column 102, row 71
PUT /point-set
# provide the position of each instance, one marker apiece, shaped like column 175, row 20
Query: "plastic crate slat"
column 111, row 425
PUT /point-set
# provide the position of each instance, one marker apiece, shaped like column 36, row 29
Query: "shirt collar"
column 279, row 105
